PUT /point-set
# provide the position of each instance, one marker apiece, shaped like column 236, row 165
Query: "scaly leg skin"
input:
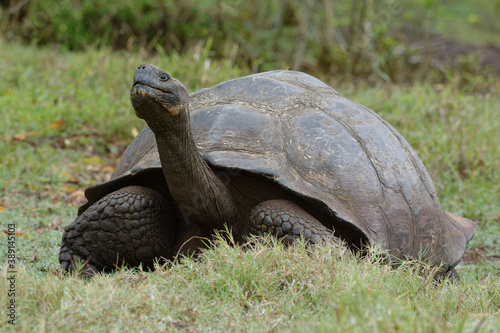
column 129, row 226
column 289, row 221
column 451, row 276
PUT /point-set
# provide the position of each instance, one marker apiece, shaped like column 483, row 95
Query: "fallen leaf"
column 2, row 209
column 22, row 136
column 68, row 189
column 17, row 233
column 76, row 198
column 134, row 132
column 19, row 136
column 7, row 205
column 93, row 160
column 57, row 124
column 78, row 193
column 108, row 168
column 9, row 92
column 67, row 175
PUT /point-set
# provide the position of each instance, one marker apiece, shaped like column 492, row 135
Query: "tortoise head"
column 155, row 93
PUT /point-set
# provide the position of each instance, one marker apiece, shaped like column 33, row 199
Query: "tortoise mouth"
column 142, row 88
column 145, row 97
column 142, row 94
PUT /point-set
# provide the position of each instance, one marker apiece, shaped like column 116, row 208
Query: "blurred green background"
column 392, row 40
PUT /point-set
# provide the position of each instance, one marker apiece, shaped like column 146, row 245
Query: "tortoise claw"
column 73, row 263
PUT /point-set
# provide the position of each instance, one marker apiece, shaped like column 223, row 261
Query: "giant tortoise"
column 278, row 152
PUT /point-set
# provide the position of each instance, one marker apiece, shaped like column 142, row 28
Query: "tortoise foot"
column 290, row 222
column 74, row 263
column 127, row 227
column 450, row 276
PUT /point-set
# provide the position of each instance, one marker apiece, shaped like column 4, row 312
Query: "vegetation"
column 66, row 119
column 374, row 39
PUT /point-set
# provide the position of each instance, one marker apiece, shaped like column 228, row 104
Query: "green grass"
column 67, row 117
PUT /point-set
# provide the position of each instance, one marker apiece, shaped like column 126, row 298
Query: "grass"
column 66, row 118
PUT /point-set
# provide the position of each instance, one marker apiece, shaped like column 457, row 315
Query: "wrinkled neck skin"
column 199, row 193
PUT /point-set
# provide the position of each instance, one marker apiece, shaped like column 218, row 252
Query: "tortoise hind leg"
column 129, row 226
column 289, row 221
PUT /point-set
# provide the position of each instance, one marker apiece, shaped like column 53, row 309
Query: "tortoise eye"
column 163, row 77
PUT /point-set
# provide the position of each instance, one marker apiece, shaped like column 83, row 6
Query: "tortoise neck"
column 199, row 193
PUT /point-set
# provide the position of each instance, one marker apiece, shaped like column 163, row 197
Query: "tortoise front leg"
column 129, row 226
column 289, row 221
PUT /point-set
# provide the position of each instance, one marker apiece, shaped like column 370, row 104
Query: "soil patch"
column 478, row 254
